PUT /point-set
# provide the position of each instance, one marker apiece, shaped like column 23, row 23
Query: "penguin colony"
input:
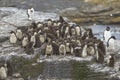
column 58, row 37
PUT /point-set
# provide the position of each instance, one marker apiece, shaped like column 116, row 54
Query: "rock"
column 94, row 11
column 70, row 12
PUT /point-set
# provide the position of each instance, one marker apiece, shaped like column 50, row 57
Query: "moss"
column 80, row 71
column 25, row 67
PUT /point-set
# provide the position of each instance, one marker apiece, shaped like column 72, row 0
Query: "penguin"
column 42, row 38
column 39, row 25
column 37, row 41
column 73, row 31
column 49, row 49
column 61, row 19
column 30, row 48
column 78, row 50
column 3, row 72
column 111, row 61
column 55, row 48
column 84, row 51
column 66, row 30
column 84, row 35
column 19, row 34
column 33, row 38
column 107, row 35
column 99, row 54
column 78, row 30
column 62, row 49
column 49, row 22
column 58, row 33
column 55, row 24
column 30, row 13
column 68, row 48
column 91, row 50
column 13, row 38
column 111, row 42
column 101, row 46
column 25, row 41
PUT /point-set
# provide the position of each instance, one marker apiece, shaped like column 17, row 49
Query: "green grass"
column 25, row 67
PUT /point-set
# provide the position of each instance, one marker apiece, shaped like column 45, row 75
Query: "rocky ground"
column 80, row 11
column 95, row 12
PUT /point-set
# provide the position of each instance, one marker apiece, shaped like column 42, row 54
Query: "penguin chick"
column 49, row 49
column 13, row 38
column 25, row 41
column 3, row 73
column 19, row 34
column 78, row 30
column 91, row 50
column 62, row 49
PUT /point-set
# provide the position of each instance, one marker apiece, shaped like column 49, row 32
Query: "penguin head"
column 12, row 32
column 49, row 22
column 39, row 24
column 108, row 28
column 18, row 30
column 96, row 44
column 61, row 19
column 53, row 41
column 110, row 56
column 46, row 28
column 55, row 23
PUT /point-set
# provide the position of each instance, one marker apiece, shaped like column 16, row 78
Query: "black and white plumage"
column 107, row 34
column 99, row 54
column 30, row 13
column 111, row 42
